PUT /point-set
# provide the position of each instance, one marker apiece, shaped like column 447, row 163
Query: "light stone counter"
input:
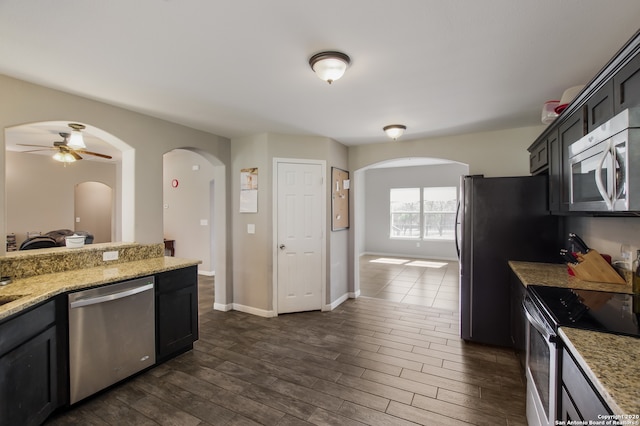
column 556, row 275
column 611, row 364
column 38, row 288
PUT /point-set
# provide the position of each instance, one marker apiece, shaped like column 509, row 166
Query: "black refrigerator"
column 499, row 219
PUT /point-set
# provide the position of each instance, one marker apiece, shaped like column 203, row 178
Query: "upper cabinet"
column 626, row 85
column 616, row 88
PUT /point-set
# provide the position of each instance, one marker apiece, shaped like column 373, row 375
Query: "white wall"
column 187, row 205
column 40, row 191
column 376, row 211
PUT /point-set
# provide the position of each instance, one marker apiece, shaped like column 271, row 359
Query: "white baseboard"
column 254, row 311
column 355, row 295
column 207, row 273
column 223, row 308
column 339, row 301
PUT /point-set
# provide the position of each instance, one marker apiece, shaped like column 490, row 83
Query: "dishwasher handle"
column 108, row 297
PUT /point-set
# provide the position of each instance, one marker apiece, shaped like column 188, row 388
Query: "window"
column 423, row 213
column 405, row 212
column 439, row 210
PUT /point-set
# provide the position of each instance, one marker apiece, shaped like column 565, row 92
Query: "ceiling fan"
column 70, row 147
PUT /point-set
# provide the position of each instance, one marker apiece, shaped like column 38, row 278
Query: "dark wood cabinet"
column 599, row 107
column 30, row 366
column 555, row 171
column 626, row 86
column 571, row 130
column 539, row 158
column 176, row 312
column 579, row 401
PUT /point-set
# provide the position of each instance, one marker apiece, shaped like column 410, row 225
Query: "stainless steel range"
column 548, row 308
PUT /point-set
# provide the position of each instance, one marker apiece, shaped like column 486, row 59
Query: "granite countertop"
column 35, row 289
column 556, row 275
column 610, row 362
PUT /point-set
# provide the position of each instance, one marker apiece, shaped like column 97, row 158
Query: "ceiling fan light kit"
column 394, row 131
column 330, row 65
column 76, row 141
column 68, row 150
column 64, row 157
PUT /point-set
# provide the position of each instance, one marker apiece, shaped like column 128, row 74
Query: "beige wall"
column 498, row 153
column 40, row 191
column 149, row 138
column 253, row 253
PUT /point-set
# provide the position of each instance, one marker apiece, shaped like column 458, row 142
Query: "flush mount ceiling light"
column 394, row 131
column 329, row 66
column 76, row 141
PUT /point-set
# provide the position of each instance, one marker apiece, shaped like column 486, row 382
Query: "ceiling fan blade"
column 97, row 154
column 75, row 154
column 40, row 146
column 37, row 150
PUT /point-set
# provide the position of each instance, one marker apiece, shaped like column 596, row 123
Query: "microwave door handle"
column 603, row 191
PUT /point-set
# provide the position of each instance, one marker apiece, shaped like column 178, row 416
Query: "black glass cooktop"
column 592, row 310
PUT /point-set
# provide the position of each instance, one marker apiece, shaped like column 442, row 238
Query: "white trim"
column 254, row 311
column 354, row 295
column 323, row 221
column 339, row 301
column 207, row 273
column 223, row 308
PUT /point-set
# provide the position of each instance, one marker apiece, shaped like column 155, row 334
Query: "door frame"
column 323, row 220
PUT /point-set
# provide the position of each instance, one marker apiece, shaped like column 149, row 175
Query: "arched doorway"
column 194, row 215
column 404, row 172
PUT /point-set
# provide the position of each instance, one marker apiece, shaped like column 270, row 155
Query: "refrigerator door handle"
column 456, row 230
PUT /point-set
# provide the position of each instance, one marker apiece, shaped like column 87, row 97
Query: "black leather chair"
column 40, row 241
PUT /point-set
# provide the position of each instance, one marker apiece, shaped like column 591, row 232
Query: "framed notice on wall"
column 249, row 190
column 340, row 185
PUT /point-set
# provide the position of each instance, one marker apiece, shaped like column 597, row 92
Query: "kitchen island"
column 35, row 318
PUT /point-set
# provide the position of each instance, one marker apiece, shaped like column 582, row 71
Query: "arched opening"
column 40, row 191
column 373, row 223
column 194, row 214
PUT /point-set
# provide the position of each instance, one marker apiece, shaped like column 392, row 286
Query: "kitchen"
column 152, row 137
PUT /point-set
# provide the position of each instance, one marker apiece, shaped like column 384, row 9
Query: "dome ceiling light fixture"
column 394, row 131
column 76, row 141
column 330, row 65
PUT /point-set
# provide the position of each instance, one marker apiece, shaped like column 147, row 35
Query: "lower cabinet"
column 579, row 400
column 176, row 311
column 30, row 366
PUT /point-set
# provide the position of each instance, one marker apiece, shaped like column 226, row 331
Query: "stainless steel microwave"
column 605, row 166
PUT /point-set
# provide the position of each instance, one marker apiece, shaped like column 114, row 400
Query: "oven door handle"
column 535, row 322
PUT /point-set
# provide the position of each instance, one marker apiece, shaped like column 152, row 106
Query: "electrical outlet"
column 109, row 255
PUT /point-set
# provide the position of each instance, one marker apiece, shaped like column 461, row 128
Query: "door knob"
column 281, row 246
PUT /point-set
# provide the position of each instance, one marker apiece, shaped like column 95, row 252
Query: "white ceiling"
column 240, row 67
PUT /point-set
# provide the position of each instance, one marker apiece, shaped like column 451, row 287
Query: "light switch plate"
column 251, row 228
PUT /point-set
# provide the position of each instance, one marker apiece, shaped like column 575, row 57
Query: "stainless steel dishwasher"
column 111, row 335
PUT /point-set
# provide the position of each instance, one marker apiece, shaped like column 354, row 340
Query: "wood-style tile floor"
column 368, row 362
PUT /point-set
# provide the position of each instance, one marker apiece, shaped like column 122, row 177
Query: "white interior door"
column 300, row 235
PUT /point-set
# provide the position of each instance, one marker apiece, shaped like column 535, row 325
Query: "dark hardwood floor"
column 370, row 361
